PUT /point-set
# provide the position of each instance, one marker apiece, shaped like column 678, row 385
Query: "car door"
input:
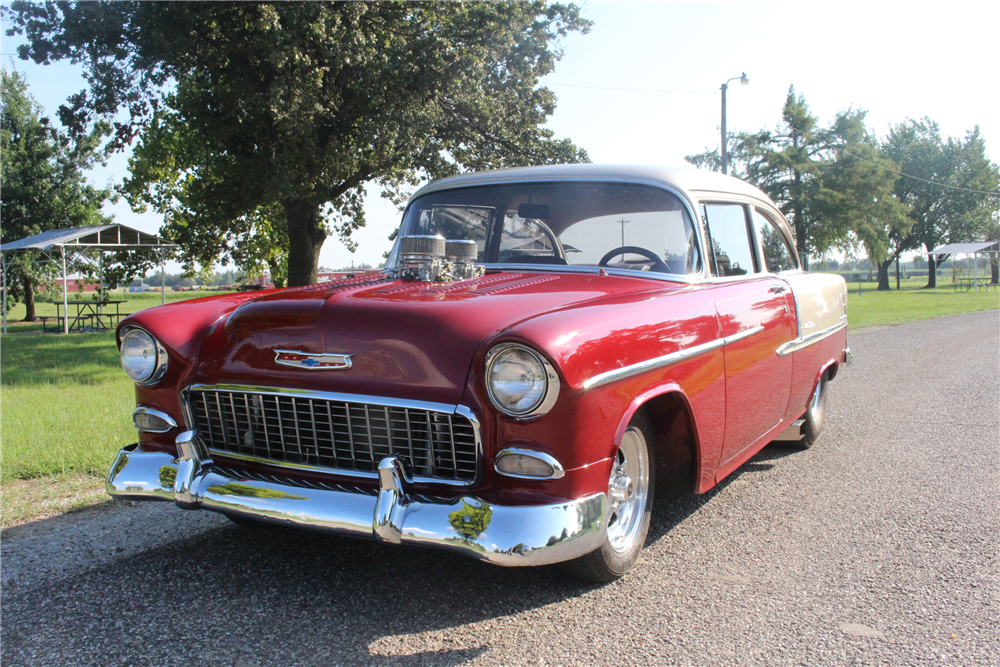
column 755, row 318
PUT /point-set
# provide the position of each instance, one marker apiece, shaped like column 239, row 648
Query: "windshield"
column 619, row 225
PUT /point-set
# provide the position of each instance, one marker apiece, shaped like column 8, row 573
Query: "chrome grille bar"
column 314, row 431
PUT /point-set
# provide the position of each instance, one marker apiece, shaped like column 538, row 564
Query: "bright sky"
column 896, row 60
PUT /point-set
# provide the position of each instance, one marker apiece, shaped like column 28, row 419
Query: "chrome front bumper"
column 499, row 534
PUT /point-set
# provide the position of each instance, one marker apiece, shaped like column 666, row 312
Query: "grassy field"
column 867, row 307
column 66, row 405
column 134, row 302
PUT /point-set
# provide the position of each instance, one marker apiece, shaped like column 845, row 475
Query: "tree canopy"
column 839, row 186
column 42, row 179
column 948, row 187
column 258, row 125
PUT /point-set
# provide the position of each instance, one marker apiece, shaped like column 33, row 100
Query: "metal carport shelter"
column 104, row 238
column 975, row 249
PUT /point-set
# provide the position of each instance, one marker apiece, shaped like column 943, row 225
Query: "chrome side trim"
column 795, row 345
column 729, row 340
column 557, row 469
column 500, row 534
column 171, row 424
column 667, row 359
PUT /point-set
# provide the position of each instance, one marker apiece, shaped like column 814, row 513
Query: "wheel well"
column 673, row 441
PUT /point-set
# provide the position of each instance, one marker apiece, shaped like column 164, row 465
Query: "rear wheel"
column 630, row 501
column 815, row 414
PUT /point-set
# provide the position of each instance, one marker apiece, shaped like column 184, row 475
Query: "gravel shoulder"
column 878, row 546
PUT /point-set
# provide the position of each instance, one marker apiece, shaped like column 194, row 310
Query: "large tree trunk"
column 29, row 298
column 305, row 240
column 932, row 264
column 883, row 275
column 995, row 270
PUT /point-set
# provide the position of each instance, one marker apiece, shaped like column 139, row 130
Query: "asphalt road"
column 876, row 547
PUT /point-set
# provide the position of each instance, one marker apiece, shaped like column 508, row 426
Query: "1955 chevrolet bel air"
column 545, row 345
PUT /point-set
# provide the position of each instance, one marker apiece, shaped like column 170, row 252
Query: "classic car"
column 545, row 346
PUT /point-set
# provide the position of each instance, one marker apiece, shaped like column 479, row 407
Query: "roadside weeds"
column 28, row 500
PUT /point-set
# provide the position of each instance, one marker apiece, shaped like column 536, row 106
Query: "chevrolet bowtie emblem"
column 314, row 362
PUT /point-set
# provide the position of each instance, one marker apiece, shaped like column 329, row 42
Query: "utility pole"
column 725, row 150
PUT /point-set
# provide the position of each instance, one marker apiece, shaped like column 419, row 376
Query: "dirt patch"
column 27, row 500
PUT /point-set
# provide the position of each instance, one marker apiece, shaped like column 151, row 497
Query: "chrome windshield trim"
column 795, row 345
column 688, row 279
column 331, row 396
column 685, row 198
column 667, row 359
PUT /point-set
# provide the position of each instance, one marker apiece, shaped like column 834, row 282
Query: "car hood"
column 406, row 339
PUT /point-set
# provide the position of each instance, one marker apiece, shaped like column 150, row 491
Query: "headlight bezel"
column 160, row 363
column 549, row 393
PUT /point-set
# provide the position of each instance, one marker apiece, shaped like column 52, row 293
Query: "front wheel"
column 630, row 501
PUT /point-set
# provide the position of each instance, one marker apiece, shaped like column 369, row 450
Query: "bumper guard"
column 499, row 534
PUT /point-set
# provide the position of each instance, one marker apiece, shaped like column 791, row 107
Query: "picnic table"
column 89, row 315
column 967, row 284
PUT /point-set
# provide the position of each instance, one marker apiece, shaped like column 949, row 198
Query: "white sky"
column 897, row 60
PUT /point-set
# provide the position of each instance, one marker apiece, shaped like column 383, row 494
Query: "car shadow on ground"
column 233, row 595
column 671, row 507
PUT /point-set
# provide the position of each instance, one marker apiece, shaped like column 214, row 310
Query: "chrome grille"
column 339, row 435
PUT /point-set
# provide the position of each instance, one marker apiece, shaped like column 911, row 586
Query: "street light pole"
column 725, row 152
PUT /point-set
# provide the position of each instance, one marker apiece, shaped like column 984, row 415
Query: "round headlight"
column 520, row 381
column 143, row 358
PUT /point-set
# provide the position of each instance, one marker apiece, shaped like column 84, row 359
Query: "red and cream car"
column 545, row 344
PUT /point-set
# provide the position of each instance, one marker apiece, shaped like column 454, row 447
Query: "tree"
column 41, row 177
column 857, row 195
column 949, row 185
column 282, row 113
column 786, row 163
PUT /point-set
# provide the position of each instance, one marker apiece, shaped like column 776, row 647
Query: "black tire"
column 815, row 414
column 630, row 502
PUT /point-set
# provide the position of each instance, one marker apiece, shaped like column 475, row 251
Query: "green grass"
column 134, row 302
column 65, row 405
column 867, row 307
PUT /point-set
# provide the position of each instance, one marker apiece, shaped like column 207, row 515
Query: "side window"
column 732, row 252
column 777, row 255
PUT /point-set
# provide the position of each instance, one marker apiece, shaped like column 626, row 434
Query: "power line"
column 917, row 178
column 627, row 90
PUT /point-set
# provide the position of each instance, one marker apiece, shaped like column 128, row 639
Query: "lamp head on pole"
column 744, row 80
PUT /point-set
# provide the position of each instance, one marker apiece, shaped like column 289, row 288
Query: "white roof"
column 105, row 237
column 955, row 248
column 680, row 178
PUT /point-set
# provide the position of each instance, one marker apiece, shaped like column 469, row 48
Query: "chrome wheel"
column 629, row 501
column 815, row 414
column 628, row 491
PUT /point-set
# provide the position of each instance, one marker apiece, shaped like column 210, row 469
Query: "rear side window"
column 732, row 251
column 778, row 256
